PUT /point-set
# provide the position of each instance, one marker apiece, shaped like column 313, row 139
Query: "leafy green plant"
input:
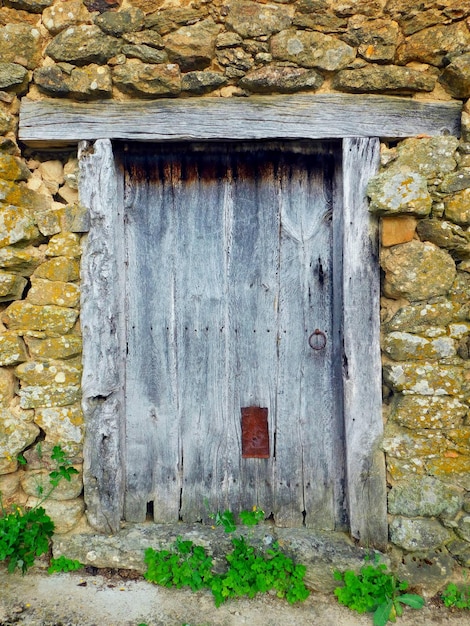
column 375, row 590
column 184, row 565
column 253, row 517
column 25, row 533
column 225, row 519
column 456, row 597
column 249, row 570
column 64, row 564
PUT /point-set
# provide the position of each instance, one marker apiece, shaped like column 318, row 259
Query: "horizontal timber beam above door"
column 58, row 122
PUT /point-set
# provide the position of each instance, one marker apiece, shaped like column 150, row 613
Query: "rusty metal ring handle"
column 317, row 340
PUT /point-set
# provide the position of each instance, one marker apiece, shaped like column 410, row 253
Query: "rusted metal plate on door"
column 255, row 433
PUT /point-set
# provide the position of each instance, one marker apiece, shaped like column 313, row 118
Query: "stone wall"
column 98, row 49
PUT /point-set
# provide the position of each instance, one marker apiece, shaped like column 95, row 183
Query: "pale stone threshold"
column 320, row 551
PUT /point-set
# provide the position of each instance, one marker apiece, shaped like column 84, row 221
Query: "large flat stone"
column 320, row 552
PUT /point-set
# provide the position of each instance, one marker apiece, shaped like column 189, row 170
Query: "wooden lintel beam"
column 56, row 122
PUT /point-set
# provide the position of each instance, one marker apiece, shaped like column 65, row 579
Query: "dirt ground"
column 112, row 600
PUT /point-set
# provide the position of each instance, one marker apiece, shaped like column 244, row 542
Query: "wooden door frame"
column 359, row 121
column 104, row 341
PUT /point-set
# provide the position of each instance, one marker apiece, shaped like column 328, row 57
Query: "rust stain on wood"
column 255, row 433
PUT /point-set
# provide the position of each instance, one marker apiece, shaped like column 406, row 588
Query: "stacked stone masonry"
column 99, row 49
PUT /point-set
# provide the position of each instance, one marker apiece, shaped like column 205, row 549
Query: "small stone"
column 202, row 82
column 146, row 54
column 52, row 171
column 456, row 77
column 376, row 40
column 17, row 432
column 146, row 80
column 117, row 23
column 61, row 268
column 417, row 271
column 49, row 372
column 7, row 389
column 65, row 514
column 24, row 317
column 9, row 485
column 38, row 482
column 236, row 61
column 463, row 529
column 62, row 425
column 6, row 122
column 13, row 77
column 33, row 6
column 430, row 412
column 64, row 244
column 12, row 286
column 192, row 47
column 167, row 20
column 397, row 229
column 49, row 222
column 418, row 534
column 68, row 194
column 149, row 38
column 445, row 235
column 86, row 83
column 457, row 207
column 12, row 349
column 323, row 22
column 426, row 379
column 36, row 396
column 431, row 45
column 390, row 79
column 228, row 40
column 453, row 469
column 311, row 49
column 416, row 318
column 20, row 44
column 67, row 13
column 53, row 292
column 20, row 196
column 272, row 78
column 12, row 168
column 63, row 347
column 16, row 225
column 432, row 157
column 456, row 181
column 399, row 191
column 251, row 19
column 401, row 346
column 83, row 45
column 424, row 497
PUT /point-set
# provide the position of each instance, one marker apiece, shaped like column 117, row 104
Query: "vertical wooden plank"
column 305, row 419
column 253, row 297
column 103, row 336
column 201, row 328
column 361, row 360
column 152, row 428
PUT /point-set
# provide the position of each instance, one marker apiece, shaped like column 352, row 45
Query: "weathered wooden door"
column 232, row 301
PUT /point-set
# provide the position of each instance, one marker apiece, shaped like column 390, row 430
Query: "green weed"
column 25, row 533
column 454, row 596
column 375, row 590
column 249, row 570
column 64, row 564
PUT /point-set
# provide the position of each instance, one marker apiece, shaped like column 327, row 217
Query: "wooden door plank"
column 201, row 345
column 362, row 362
column 152, row 427
column 253, row 296
column 316, row 116
column 305, row 421
column 103, row 336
